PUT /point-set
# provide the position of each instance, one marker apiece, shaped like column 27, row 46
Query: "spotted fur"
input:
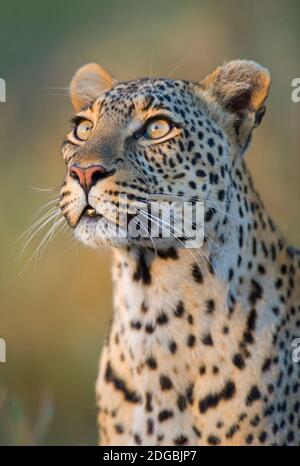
column 199, row 349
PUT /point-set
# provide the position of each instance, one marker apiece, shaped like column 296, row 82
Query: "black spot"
column 238, row 361
column 150, row 426
column 136, row 325
column 242, row 416
column 256, row 292
column 200, row 173
column 209, row 214
column 197, row 431
column 213, row 440
column 210, row 306
column 254, row 247
column 262, row 436
column 151, row 362
column 278, row 283
column 180, row 440
column 266, row 365
column 211, row 159
column 191, row 340
column 221, row 195
column 190, row 319
column 120, row 385
column 164, row 415
column 253, row 395
column 162, row 319
column 249, row 439
column 149, row 407
column 119, row 428
column 197, row 274
column 255, row 421
column 202, row 370
column 210, row 142
column 251, row 321
column 149, row 328
column 181, row 402
column 213, row 399
column 179, row 311
column 137, row 439
column 190, row 146
column 142, row 271
column 172, row 346
column 207, row 340
column 144, row 307
column 169, row 253
column 165, row 382
column 190, row 393
column 269, row 410
column 232, row 431
column 196, row 157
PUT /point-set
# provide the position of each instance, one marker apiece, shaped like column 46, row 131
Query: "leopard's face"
column 139, row 143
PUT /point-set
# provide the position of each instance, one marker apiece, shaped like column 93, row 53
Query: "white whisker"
column 35, row 224
column 177, row 66
column 158, row 222
column 32, row 235
column 43, row 207
column 50, row 189
column 151, row 63
column 50, row 235
column 149, row 236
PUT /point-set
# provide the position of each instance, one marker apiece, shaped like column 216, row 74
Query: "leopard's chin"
column 96, row 231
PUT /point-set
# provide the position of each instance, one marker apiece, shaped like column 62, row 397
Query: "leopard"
column 201, row 345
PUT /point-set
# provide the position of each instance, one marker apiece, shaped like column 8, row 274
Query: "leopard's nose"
column 89, row 176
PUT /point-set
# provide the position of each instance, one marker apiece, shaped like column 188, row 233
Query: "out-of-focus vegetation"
column 54, row 313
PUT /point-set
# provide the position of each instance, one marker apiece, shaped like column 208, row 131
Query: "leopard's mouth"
column 90, row 213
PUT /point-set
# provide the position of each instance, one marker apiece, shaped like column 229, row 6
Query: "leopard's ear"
column 241, row 88
column 88, row 83
column 239, row 85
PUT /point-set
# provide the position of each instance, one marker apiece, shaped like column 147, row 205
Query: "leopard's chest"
column 187, row 399
column 179, row 375
column 182, row 366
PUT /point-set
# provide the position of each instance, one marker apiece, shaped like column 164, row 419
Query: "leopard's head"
column 153, row 142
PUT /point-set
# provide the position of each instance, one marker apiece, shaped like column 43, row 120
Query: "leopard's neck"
column 194, row 327
column 190, row 302
column 228, row 278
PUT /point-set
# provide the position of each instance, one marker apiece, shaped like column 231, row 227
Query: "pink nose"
column 88, row 176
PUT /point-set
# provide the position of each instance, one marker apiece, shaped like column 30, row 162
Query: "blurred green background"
column 54, row 313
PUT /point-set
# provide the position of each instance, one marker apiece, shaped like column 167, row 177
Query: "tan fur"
column 199, row 349
column 89, row 81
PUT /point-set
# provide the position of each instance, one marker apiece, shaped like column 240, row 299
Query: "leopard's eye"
column 157, row 129
column 83, row 130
